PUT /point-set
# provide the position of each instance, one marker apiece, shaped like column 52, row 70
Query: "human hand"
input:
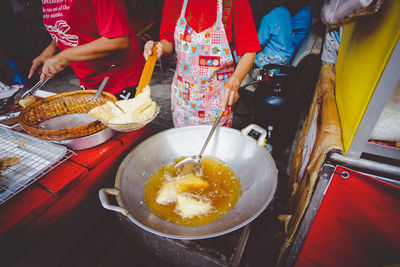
column 230, row 93
column 47, row 53
column 148, row 49
column 53, row 65
column 36, row 63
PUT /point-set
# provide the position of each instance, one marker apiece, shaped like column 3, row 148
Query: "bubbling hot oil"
column 223, row 192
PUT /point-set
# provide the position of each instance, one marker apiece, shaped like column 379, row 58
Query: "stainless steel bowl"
column 89, row 141
column 248, row 158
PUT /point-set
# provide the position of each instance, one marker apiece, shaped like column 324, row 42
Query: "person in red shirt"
column 91, row 35
column 203, row 34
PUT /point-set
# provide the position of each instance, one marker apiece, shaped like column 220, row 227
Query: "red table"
column 24, row 217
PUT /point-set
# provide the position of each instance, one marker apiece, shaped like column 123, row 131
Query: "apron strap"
column 183, row 10
column 219, row 11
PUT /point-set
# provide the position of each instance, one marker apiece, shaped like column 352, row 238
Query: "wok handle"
column 103, row 195
column 263, row 133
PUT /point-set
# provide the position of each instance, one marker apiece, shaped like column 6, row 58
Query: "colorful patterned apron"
column 204, row 65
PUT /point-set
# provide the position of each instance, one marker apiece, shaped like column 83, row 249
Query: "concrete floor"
column 92, row 236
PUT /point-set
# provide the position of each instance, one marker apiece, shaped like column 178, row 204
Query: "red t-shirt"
column 237, row 17
column 76, row 22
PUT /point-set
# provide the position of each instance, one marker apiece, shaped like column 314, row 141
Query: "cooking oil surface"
column 222, row 192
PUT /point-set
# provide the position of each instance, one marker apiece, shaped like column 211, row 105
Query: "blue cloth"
column 275, row 34
column 301, row 24
column 18, row 78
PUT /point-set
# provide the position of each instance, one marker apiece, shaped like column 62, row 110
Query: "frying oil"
column 223, row 192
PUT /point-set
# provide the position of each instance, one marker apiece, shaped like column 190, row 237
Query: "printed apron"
column 204, row 65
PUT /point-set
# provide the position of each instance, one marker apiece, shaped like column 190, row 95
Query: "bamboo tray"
column 61, row 104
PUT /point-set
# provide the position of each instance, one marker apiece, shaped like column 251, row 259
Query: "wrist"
column 50, row 50
column 63, row 58
column 235, row 81
column 167, row 47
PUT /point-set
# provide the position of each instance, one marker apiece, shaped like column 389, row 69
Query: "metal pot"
column 248, row 158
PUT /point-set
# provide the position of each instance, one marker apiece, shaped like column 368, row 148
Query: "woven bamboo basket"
column 80, row 101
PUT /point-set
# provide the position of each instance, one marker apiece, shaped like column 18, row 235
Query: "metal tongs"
column 26, row 91
column 187, row 165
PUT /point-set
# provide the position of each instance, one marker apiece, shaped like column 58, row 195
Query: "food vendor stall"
column 344, row 205
column 329, row 179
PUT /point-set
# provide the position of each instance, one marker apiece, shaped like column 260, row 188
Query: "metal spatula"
column 187, row 165
column 101, row 87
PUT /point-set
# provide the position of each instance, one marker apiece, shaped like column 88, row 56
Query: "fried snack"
column 167, row 194
column 148, row 112
column 8, row 162
column 138, row 103
column 169, row 191
column 103, row 112
column 189, row 207
column 27, row 101
column 190, row 182
column 136, row 110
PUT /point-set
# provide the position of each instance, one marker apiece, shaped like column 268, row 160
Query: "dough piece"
column 147, row 113
column 8, row 162
column 190, row 182
column 27, row 101
column 103, row 112
column 189, row 207
column 118, row 117
column 138, row 103
column 124, row 118
column 136, row 110
column 114, row 109
column 169, row 191
column 167, row 194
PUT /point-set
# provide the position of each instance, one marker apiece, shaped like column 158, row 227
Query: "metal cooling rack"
column 36, row 158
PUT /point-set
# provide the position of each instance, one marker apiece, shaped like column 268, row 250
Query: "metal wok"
column 248, row 158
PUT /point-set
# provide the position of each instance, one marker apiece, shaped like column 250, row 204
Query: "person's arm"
column 246, row 45
column 96, row 49
column 230, row 93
